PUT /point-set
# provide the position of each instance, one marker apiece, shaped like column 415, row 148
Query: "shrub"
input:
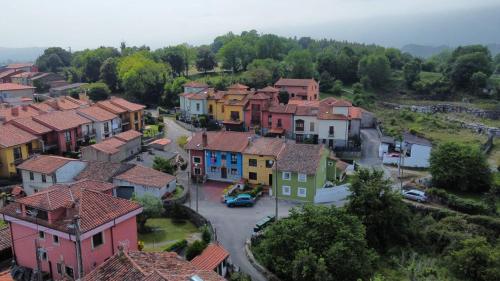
column 177, row 246
column 182, row 141
column 177, row 213
column 140, row 245
column 240, row 276
column 206, row 236
column 456, row 203
column 195, row 249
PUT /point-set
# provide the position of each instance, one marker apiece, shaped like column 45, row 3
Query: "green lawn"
column 430, row 76
column 178, row 191
column 151, row 131
column 165, row 232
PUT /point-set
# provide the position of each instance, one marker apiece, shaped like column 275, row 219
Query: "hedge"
column 177, row 246
column 459, row 204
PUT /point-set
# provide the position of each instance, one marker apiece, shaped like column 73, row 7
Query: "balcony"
column 18, row 161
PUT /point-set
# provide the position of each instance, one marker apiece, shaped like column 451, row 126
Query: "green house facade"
column 301, row 172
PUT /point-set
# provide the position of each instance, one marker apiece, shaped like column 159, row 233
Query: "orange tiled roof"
column 281, row 108
column 194, row 84
column 5, row 240
column 5, row 276
column 128, row 135
column 28, row 124
column 46, row 164
column 149, row 266
column 355, row 112
column 238, row 86
column 17, row 112
column 211, row 257
column 106, row 104
column 13, row 87
column 45, row 107
column 268, row 89
column 97, row 113
column 146, row 176
column 265, row 146
column 300, row 102
column 300, row 158
column 94, row 207
column 19, row 65
column 10, row 72
column 294, row 82
column 102, row 171
column 62, row 120
column 163, row 141
column 109, row 145
column 10, row 135
column 25, row 74
column 125, row 104
column 221, row 141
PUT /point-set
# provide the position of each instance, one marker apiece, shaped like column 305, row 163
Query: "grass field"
column 151, row 130
column 165, row 232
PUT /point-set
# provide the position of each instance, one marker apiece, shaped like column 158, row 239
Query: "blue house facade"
column 223, row 165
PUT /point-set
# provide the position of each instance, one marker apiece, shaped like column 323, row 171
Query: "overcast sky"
column 91, row 23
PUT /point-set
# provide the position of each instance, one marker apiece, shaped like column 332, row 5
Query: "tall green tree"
column 476, row 260
column 89, row 61
column 53, row 59
column 175, row 56
column 152, row 207
column 459, row 167
column 376, row 68
column 411, row 72
column 236, row 55
column 299, row 64
column 380, row 208
column 205, row 60
column 97, row 91
column 270, row 46
column 317, row 242
column 108, row 73
column 467, row 60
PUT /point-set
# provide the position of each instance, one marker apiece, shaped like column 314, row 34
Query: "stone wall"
column 447, row 108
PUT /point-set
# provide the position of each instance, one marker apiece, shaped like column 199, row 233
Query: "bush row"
column 456, row 203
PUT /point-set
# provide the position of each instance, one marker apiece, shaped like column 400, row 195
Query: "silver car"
column 415, row 195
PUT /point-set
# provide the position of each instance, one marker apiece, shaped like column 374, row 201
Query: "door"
column 223, row 172
column 330, row 143
column 271, row 179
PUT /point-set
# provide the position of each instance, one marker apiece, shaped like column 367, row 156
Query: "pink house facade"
column 301, row 89
column 47, row 220
column 278, row 120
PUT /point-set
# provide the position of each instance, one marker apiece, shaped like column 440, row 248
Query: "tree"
column 299, row 64
column 337, row 88
column 317, row 242
column 476, row 260
column 53, row 59
column 496, row 63
column 459, row 167
column 173, row 89
column 478, row 81
column 97, row 91
column 283, row 97
column 174, row 56
column 236, row 55
column 341, row 65
column 142, row 78
column 108, row 73
column 89, row 61
column 163, row 165
column 276, row 68
column 257, row 77
column 270, row 46
column 195, row 249
column 205, row 60
column 465, row 61
column 411, row 72
column 380, row 208
column 395, row 57
column 377, row 68
column 152, row 207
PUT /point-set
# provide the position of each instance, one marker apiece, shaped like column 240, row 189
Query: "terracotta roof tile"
column 46, row 164
column 13, row 87
column 106, row 104
column 149, row 266
column 238, row 86
column 125, row 104
column 6, row 276
column 10, row 72
column 11, row 135
column 29, row 125
column 19, row 65
column 221, row 141
column 97, row 113
column 268, row 89
column 25, row 74
column 102, row 171
column 62, row 120
column 146, row 176
column 281, row 108
column 194, row 84
column 23, row 111
column 211, row 257
column 294, row 82
column 45, row 107
column 109, row 145
column 355, row 112
column 306, row 111
column 265, row 146
column 300, row 158
column 128, row 135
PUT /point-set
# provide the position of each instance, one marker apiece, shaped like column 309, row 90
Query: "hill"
column 12, row 55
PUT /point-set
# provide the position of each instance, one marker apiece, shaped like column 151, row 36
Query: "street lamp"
column 196, row 165
column 275, row 162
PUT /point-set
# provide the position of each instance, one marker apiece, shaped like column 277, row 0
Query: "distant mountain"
column 12, row 55
column 423, row 51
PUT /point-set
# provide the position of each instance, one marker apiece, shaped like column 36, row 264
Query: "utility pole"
column 38, row 262
column 276, row 186
column 76, row 225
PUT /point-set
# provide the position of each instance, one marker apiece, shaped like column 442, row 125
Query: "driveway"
column 370, row 143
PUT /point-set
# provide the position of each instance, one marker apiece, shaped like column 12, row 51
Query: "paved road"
column 370, row 143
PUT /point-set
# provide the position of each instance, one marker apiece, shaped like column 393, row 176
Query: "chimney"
column 204, row 139
column 250, row 141
column 15, row 111
column 25, row 108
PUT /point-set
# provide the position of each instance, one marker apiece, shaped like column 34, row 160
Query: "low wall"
column 181, row 200
column 446, row 108
column 194, row 217
column 267, row 274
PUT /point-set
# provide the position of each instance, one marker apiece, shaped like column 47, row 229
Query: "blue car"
column 245, row 200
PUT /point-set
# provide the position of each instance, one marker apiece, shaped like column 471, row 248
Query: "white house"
column 141, row 180
column 193, row 101
column 16, row 94
column 115, row 149
column 43, row 171
column 305, row 123
column 105, row 123
column 413, row 151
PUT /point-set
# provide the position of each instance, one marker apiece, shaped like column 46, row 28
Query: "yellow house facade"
column 16, row 145
column 259, row 158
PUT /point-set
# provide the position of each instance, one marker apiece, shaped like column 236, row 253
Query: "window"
column 67, row 136
column 299, row 125
column 213, row 157
column 69, row 271
column 286, row 190
column 222, row 108
column 311, row 126
column 32, row 176
column 213, row 169
column 234, row 158
column 269, row 163
column 97, row 240
column 136, row 116
column 252, row 176
column 301, row 192
column 197, row 107
column 330, row 163
column 302, row 177
column 197, row 171
column 18, row 154
column 279, row 123
column 210, row 109
column 331, row 131
column 59, row 268
column 55, row 239
column 43, row 255
column 106, row 127
column 234, row 171
column 235, row 115
column 287, row 176
column 41, row 234
column 270, row 120
column 44, row 178
column 223, row 156
column 197, row 160
column 252, row 162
